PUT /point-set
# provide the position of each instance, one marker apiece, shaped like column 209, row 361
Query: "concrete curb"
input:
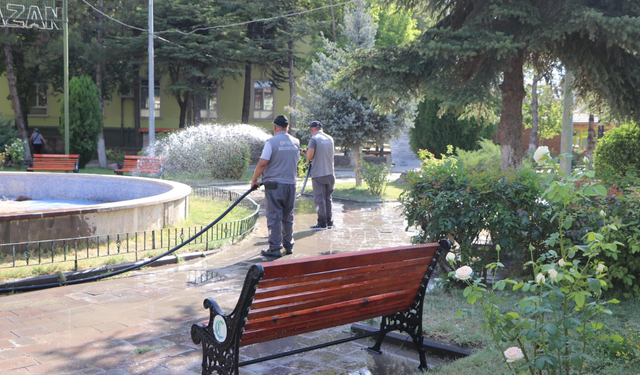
column 437, row 348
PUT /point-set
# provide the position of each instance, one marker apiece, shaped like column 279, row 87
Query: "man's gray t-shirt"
column 323, row 154
column 282, row 151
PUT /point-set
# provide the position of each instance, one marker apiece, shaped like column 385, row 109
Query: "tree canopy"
column 476, row 52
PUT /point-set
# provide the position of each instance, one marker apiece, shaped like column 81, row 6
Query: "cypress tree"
column 85, row 118
column 434, row 133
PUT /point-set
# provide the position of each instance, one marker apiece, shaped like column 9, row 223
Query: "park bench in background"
column 53, row 162
column 142, row 164
column 286, row 298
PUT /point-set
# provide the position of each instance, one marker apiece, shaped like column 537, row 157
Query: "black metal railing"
column 133, row 245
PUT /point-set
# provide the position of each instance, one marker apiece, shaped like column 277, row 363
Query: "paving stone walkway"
column 140, row 323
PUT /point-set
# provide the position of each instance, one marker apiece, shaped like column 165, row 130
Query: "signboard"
column 38, row 14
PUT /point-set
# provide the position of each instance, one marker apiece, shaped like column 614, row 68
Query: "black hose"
column 134, row 267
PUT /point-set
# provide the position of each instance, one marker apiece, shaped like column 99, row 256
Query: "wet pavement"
column 140, row 323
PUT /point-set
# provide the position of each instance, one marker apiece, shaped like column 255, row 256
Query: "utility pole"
column 152, row 84
column 566, row 142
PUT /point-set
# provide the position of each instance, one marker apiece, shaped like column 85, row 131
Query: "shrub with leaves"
column 186, row 150
column 444, row 200
column 115, row 155
column 549, row 330
column 16, row 151
column 618, row 152
column 229, row 158
column 7, row 132
column 375, row 176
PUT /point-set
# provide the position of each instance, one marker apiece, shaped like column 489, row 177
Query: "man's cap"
column 35, row 129
column 315, row 124
column 281, row 121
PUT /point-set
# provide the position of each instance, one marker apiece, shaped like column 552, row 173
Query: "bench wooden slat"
column 277, row 270
column 142, row 164
column 327, row 316
column 271, row 297
column 327, row 296
column 266, row 284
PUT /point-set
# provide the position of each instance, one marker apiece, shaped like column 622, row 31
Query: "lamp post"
column 65, row 31
column 152, row 84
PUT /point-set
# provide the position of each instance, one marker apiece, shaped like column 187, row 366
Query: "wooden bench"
column 53, row 162
column 142, row 164
column 286, row 298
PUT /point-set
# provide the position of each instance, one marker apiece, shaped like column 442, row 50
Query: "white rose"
column 541, row 155
column 451, row 257
column 513, row 354
column 464, row 273
column 553, row 274
column 540, row 278
column 600, row 268
column 561, row 262
column 602, row 213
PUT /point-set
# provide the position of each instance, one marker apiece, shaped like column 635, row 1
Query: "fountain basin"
column 116, row 204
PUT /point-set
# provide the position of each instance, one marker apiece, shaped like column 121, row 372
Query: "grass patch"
column 202, row 211
column 350, row 191
column 440, row 321
column 202, row 177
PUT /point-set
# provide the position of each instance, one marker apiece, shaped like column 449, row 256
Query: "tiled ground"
column 140, row 323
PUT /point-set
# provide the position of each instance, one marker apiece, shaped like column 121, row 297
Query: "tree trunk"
column 13, row 92
column 566, row 140
column 182, row 104
column 189, row 107
column 591, row 140
column 357, row 164
column 333, row 21
column 510, row 133
column 136, row 105
column 533, row 137
column 246, row 99
column 292, row 85
column 197, row 120
column 102, row 151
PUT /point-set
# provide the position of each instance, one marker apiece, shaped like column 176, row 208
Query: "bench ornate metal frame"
column 221, row 337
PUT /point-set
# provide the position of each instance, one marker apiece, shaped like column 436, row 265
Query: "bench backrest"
column 305, row 295
column 53, row 161
column 143, row 162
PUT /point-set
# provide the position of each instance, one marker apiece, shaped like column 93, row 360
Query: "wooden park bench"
column 54, row 162
column 142, row 164
column 286, row 298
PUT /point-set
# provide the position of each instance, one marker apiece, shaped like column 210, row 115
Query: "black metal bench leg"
column 376, row 347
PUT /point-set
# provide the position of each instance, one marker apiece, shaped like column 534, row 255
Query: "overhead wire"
column 219, row 26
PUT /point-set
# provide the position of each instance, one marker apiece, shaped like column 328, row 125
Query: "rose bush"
column 554, row 323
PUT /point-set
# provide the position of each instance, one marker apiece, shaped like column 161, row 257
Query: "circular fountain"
column 77, row 205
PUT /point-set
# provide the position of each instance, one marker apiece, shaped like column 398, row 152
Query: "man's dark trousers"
column 279, row 209
column 322, row 192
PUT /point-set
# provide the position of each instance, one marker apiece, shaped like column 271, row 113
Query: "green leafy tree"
column 476, row 52
column 350, row 119
column 434, row 133
column 549, row 111
column 85, row 118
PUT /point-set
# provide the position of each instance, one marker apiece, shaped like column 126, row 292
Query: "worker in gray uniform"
column 320, row 151
column 278, row 166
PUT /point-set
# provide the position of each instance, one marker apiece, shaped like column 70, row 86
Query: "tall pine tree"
column 478, row 48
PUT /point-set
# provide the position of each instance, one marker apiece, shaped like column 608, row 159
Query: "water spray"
column 134, row 267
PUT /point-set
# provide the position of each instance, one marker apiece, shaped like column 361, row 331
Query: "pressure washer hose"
column 134, row 267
